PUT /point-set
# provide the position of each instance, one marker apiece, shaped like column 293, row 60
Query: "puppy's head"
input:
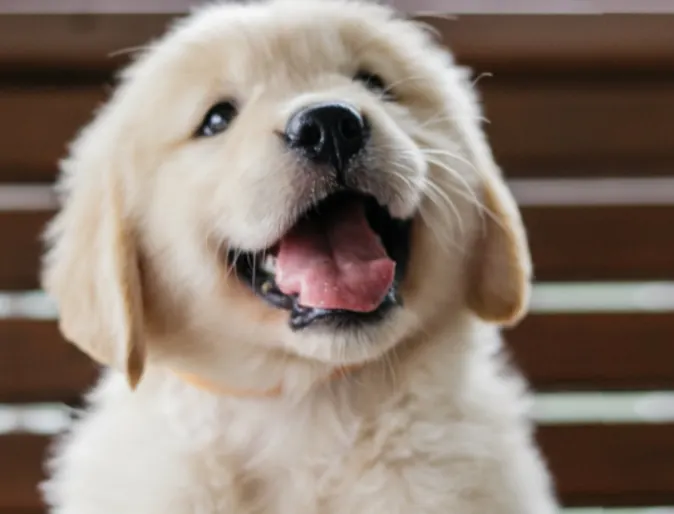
column 282, row 184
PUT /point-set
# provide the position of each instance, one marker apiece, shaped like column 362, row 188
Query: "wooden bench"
column 569, row 97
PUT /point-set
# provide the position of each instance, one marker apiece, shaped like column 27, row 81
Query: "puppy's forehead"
column 282, row 39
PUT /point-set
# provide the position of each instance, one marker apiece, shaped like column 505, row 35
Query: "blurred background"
column 581, row 117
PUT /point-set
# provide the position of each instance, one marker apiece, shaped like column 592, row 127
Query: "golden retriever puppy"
column 286, row 237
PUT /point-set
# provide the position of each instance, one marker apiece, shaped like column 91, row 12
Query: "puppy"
column 287, row 239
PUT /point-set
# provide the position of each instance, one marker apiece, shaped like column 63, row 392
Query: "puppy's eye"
column 217, row 119
column 372, row 81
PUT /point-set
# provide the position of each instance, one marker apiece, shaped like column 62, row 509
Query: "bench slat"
column 598, row 351
column 594, row 465
column 555, row 352
column 567, row 243
column 36, row 126
column 558, row 127
column 601, row 242
column 20, row 232
column 611, row 465
column 21, row 469
column 550, row 44
column 36, row 364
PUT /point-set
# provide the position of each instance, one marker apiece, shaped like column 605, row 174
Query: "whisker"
column 451, row 155
column 128, row 50
column 466, row 192
column 460, row 178
column 440, row 234
column 450, row 117
column 442, row 196
column 482, row 75
column 390, row 367
column 389, row 87
column 438, row 198
column 472, row 197
column 237, row 255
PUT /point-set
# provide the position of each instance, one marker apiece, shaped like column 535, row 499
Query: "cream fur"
column 432, row 422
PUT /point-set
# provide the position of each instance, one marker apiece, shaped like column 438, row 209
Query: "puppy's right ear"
column 91, row 266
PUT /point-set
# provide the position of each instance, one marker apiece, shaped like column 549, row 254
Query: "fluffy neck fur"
column 258, row 373
column 445, row 359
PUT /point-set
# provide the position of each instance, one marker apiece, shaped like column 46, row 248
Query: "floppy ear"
column 501, row 272
column 500, row 283
column 91, row 267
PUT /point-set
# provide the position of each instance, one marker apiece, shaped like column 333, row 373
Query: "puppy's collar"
column 209, row 386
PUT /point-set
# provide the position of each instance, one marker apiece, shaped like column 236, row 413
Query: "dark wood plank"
column 21, row 470
column 594, row 465
column 72, row 43
column 37, row 365
column 549, row 44
column 555, row 352
column 546, row 127
column 36, row 126
column 567, row 243
column 537, row 127
column 33, row 510
column 20, row 232
column 561, row 44
column 611, row 465
column 601, row 243
column 602, row 351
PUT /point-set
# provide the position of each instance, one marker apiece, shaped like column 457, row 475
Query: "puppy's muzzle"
column 328, row 134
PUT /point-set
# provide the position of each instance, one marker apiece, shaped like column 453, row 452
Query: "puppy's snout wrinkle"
column 328, row 133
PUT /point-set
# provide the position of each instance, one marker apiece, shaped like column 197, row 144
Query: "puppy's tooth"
column 269, row 264
column 266, row 287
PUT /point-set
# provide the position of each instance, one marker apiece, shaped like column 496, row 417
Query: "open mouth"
column 340, row 264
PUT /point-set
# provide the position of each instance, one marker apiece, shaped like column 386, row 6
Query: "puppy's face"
column 283, row 182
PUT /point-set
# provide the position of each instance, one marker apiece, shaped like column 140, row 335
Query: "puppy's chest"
column 319, row 460
column 306, row 441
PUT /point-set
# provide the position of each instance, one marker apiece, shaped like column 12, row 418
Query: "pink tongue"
column 335, row 263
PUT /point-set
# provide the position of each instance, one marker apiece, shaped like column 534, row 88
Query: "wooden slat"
column 21, row 470
column 612, row 465
column 567, row 243
column 537, row 127
column 603, row 465
column 37, row 365
column 601, row 243
column 20, row 232
column 619, row 351
column 557, row 44
column 561, row 44
column 36, row 126
column 555, row 352
column 551, row 127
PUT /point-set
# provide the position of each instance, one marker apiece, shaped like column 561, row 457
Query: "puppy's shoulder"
column 122, row 456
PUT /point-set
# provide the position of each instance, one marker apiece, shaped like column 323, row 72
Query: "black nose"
column 328, row 133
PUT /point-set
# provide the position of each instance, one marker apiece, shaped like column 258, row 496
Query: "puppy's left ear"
column 501, row 266
column 500, row 282
column 91, row 267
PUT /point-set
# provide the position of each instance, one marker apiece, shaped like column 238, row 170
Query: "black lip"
column 395, row 237
column 301, row 317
